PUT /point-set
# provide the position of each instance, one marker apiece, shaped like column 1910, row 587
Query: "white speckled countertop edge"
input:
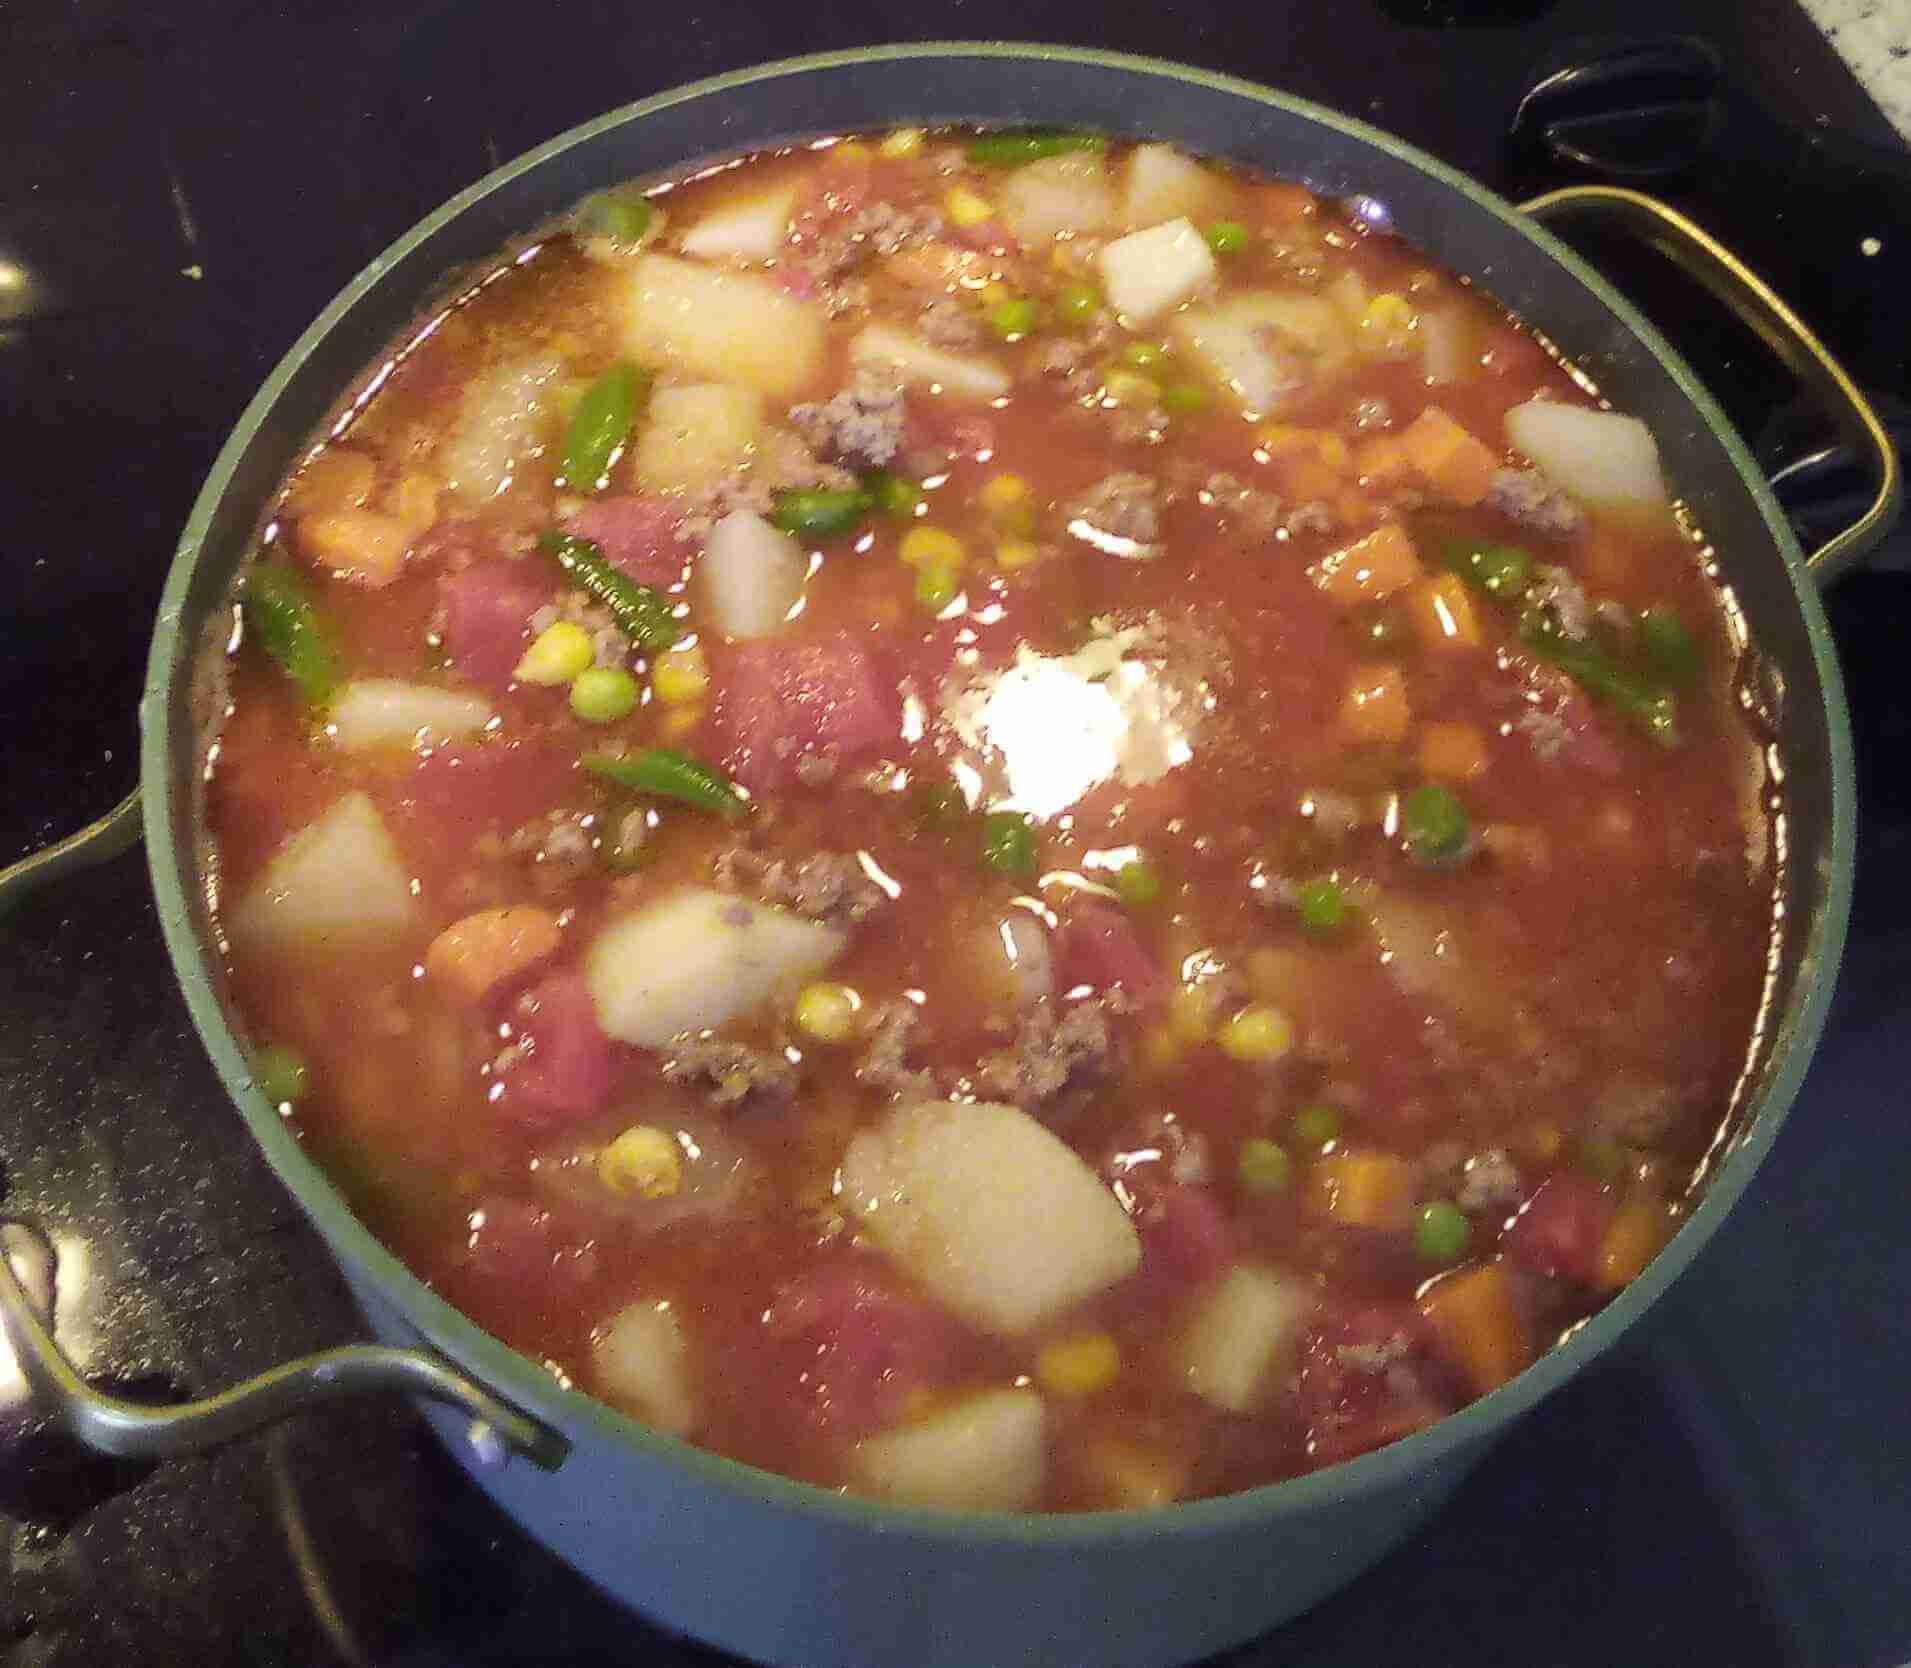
column 1874, row 38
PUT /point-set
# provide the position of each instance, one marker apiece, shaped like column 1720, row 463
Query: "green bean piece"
column 665, row 774
column 1323, row 906
column 1500, row 570
column 1010, row 149
column 281, row 1074
column 643, row 615
column 1184, row 397
column 1316, row 1125
column 1227, row 237
column 1441, row 1232
column 1008, row 843
column 1077, row 303
column 290, row 627
column 1138, row 884
column 1668, row 646
column 895, row 495
column 600, row 424
column 1654, row 710
column 938, row 807
column 820, row 515
column 623, row 215
column 1435, row 823
column 1264, row 1166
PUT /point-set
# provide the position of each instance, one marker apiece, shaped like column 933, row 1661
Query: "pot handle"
column 1704, row 258
column 105, row 837
column 111, row 1425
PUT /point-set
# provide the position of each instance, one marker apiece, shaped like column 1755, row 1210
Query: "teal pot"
column 787, row 1573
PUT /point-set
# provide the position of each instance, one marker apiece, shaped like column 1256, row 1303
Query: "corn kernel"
column 850, row 150
column 904, row 143
column 931, row 547
column 1078, row 1365
column 680, row 723
column 966, row 208
column 994, row 293
column 641, row 1163
column 1004, row 492
column 1016, row 553
column 827, row 1012
column 1387, row 312
column 1257, row 1035
column 680, row 676
column 560, row 652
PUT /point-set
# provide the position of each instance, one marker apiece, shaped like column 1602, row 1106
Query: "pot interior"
column 1454, row 220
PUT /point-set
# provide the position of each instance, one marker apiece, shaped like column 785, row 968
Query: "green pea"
column 1500, row 570
column 1323, row 905
column 628, row 846
column 1008, row 843
column 599, row 425
column 894, row 495
column 1014, row 319
column 1143, row 356
column 1668, row 645
column 937, row 584
column 1138, row 884
column 1077, row 303
column 624, row 215
column 1264, row 1166
column 1441, row 1232
column 1183, row 397
column 603, row 695
column 1316, row 1125
column 820, row 515
column 1227, row 237
column 281, row 1074
column 1008, row 150
column 1435, row 823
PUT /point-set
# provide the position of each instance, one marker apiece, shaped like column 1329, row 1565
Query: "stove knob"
column 1637, row 109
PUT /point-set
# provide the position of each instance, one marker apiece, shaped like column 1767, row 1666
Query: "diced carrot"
column 478, row 953
column 1376, row 707
column 1383, row 562
column 337, row 479
column 414, row 502
column 1362, row 1190
column 1479, row 1327
column 1638, row 1233
column 360, row 545
column 1383, row 462
column 1444, row 615
column 1607, row 558
column 1456, row 465
column 1515, row 843
column 1308, row 464
column 1452, row 752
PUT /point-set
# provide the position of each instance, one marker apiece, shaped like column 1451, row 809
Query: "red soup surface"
column 1012, row 822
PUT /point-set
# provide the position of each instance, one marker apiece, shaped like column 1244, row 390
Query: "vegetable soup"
column 1003, row 820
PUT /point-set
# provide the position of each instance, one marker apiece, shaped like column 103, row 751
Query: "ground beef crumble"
column 861, row 423
column 885, row 1065
column 1050, row 1055
column 829, row 887
column 1526, row 497
column 783, row 463
column 1560, row 591
column 1123, row 504
column 732, row 1072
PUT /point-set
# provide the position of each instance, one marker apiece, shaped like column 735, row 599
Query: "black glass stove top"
column 184, row 188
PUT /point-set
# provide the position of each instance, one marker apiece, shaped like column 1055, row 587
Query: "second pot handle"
column 130, row 1430
column 104, row 838
column 1699, row 254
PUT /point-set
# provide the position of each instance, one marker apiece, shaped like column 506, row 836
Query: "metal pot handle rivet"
column 110, row 1425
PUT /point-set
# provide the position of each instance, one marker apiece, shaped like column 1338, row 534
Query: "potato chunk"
column 1147, row 273
column 724, row 325
column 339, row 883
column 1267, row 348
column 916, row 363
column 388, row 712
column 989, row 1211
column 696, row 433
column 985, row 1454
column 697, row 958
column 1069, row 194
column 1594, row 455
column 643, row 1366
column 1243, row 1336
column 1161, row 183
column 750, row 229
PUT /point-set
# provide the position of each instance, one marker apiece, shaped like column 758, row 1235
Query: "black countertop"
column 183, row 189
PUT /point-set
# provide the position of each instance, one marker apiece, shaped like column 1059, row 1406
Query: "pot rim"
column 523, row 1381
